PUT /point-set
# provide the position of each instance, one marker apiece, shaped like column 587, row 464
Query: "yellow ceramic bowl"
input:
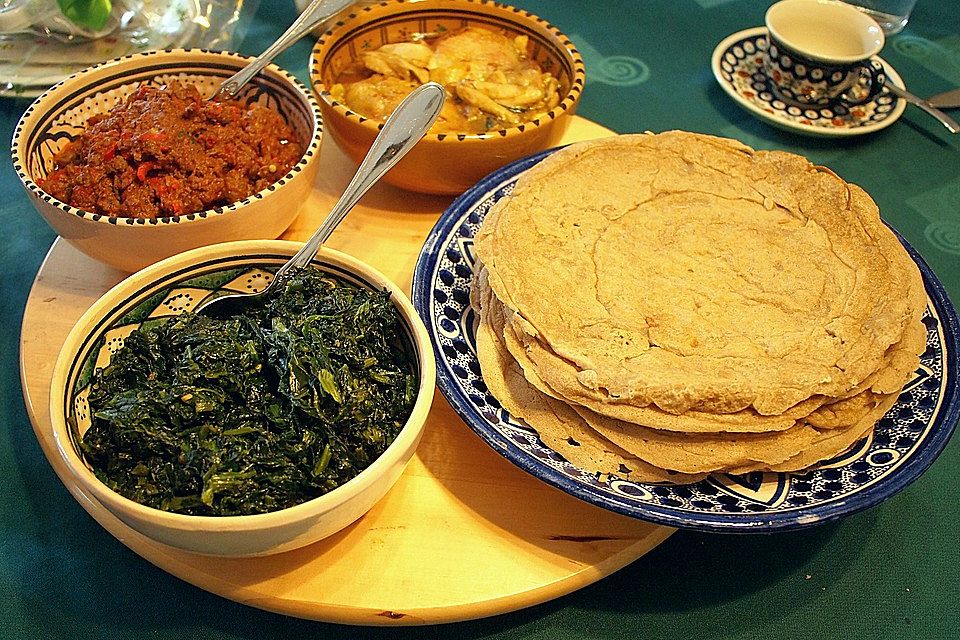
column 445, row 163
column 128, row 244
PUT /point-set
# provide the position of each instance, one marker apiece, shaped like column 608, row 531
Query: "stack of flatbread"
column 662, row 307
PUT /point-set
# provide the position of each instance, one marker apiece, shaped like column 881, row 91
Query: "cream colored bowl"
column 174, row 286
column 128, row 244
column 445, row 163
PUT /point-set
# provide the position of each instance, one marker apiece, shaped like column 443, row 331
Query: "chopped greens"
column 257, row 412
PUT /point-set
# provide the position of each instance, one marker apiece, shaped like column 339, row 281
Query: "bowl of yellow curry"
column 512, row 80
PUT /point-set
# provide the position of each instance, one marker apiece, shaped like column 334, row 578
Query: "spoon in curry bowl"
column 315, row 13
column 402, row 130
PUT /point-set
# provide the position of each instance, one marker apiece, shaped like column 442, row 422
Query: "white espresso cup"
column 821, row 52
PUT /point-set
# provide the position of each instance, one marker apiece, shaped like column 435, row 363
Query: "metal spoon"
column 951, row 124
column 946, row 100
column 402, row 130
column 315, row 13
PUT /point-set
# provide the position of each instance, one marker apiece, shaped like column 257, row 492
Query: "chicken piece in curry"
column 491, row 83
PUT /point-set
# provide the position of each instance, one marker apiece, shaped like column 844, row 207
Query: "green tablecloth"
column 890, row 572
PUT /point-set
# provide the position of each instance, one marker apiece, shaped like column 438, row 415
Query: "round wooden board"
column 463, row 534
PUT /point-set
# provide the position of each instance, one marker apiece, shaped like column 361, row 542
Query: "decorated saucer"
column 738, row 66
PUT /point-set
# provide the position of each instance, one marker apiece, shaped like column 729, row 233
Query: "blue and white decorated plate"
column 904, row 444
column 737, row 65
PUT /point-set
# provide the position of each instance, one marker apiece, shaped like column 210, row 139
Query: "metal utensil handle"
column 946, row 100
column 402, row 130
column 316, row 12
column 952, row 125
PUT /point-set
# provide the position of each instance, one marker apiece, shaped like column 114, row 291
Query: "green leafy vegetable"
column 92, row 14
column 257, row 412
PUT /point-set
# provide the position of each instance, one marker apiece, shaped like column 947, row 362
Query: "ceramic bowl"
column 169, row 288
column 128, row 244
column 445, row 163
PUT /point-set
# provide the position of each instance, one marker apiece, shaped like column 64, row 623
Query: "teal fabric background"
column 890, row 572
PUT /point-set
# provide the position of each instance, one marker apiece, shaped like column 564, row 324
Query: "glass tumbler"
column 892, row 15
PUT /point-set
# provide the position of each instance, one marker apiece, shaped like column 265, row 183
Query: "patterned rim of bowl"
column 474, row 11
column 907, row 441
column 160, row 292
column 131, row 70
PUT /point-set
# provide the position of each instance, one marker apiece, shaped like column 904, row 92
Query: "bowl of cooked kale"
column 139, row 158
column 250, row 434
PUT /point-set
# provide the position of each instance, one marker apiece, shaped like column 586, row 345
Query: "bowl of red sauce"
column 131, row 161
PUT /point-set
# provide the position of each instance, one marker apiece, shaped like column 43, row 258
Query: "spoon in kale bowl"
column 412, row 118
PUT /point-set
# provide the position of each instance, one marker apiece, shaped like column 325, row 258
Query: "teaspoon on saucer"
column 946, row 100
column 948, row 122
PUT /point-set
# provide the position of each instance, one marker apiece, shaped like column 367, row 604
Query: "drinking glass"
column 892, row 15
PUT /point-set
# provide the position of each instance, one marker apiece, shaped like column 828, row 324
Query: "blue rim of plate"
column 904, row 444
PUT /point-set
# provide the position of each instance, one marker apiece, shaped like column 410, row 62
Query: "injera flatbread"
column 647, row 451
column 736, row 453
column 900, row 364
column 558, row 426
column 708, row 276
column 830, row 444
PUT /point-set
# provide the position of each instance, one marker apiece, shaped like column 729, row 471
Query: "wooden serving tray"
column 463, row 534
